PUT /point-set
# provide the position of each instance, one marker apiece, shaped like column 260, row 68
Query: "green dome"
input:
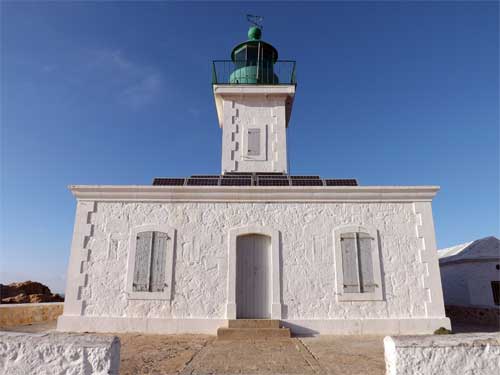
column 254, row 33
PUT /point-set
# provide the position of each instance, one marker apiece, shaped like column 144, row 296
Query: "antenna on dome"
column 255, row 20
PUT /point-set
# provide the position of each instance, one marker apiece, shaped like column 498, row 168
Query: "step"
column 253, row 323
column 252, row 333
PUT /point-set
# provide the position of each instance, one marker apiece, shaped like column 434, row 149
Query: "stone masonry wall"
column 201, row 253
column 465, row 354
column 58, row 353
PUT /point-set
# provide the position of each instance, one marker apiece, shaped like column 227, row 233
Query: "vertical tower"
column 254, row 94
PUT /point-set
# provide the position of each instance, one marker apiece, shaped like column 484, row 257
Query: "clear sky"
column 393, row 93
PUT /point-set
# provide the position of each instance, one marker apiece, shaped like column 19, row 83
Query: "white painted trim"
column 167, row 293
column 276, row 308
column 238, row 91
column 306, row 194
column 209, row 326
column 76, row 277
column 341, row 296
column 428, row 256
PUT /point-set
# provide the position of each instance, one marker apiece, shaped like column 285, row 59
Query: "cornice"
column 304, row 194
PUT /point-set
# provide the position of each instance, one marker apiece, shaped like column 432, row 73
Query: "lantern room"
column 254, row 61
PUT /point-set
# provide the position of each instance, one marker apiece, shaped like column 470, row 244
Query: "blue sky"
column 393, row 93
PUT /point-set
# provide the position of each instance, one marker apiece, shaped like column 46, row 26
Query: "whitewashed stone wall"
column 201, row 253
column 465, row 354
column 265, row 108
column 58, row 353
column 469, row 283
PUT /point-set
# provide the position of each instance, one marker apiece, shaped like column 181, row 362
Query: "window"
column 495, row 288
column 150, row 254
column 357, row 264
column 253, row 142
column 150, row 262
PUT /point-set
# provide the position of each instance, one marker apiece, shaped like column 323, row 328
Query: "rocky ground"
column 27, row 292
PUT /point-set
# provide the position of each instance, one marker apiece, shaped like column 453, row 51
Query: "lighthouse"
column 254, row 94
column 253, row 251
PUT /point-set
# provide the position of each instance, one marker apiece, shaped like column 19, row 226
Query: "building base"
column 308, row 327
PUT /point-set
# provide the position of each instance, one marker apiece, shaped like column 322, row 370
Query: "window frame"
column 377, row 294
column 166, row 294
column 262, row 156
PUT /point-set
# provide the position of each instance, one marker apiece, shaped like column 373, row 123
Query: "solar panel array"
column 253, row 179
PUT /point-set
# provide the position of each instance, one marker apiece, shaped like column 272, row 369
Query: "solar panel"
column 273, row 182
column 305, row 177
column 253, row 179
column 202, row 181
column 205, row 176
column 277, row 177
column 307, row 182
column 341, row 182
column 169, row 181
column 270, row 174
column 236, row 182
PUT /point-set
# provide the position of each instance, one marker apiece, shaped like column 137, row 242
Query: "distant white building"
column 470, row 273
column 191, row 254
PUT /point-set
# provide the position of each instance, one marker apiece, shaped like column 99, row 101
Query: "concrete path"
column 204, row 355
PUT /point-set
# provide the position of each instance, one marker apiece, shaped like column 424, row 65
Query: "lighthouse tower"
column 254, row 94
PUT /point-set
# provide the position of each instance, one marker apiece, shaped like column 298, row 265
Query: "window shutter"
column 253, row 142
column 142, row 261
column 158, row 260
column 349, row 263
column 366, row 262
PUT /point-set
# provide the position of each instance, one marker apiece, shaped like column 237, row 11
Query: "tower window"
column 253, row 142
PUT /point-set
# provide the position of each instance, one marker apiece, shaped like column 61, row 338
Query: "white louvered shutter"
column 158, row 261
column 366, row 262
column 142, row 261
column 350, row 263
column 253, row 142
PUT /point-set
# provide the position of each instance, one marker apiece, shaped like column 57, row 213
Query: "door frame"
column 274, row 268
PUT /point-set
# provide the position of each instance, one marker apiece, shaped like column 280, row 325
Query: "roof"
column 253, row 179
column 487, row 248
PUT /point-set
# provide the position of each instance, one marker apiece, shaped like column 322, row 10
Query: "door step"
column 253, row 329
column 253, row 323
column 252, row 333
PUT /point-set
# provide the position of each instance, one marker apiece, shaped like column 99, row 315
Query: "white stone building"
column 470, row 273
column 189, row 254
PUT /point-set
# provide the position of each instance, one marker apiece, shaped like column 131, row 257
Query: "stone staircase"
column 252, row 329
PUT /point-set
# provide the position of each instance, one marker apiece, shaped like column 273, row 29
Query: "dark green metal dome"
column 254, row 60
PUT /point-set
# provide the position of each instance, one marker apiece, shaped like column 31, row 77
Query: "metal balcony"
column 245, row 72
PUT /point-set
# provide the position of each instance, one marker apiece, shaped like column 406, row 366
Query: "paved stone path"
column 204, row 355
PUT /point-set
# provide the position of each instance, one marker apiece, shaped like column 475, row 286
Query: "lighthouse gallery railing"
column 282, row 72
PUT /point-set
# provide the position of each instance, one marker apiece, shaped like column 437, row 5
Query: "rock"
column 27, row 292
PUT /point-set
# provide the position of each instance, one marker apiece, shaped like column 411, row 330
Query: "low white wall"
column 471, row 353
column 58, row 353
column 29, row 313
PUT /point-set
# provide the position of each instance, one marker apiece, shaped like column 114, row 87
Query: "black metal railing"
column 282, row 72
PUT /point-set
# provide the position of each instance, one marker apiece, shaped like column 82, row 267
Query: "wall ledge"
column 307, row 194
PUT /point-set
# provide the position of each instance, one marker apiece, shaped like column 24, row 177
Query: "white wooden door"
column 253, row 277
